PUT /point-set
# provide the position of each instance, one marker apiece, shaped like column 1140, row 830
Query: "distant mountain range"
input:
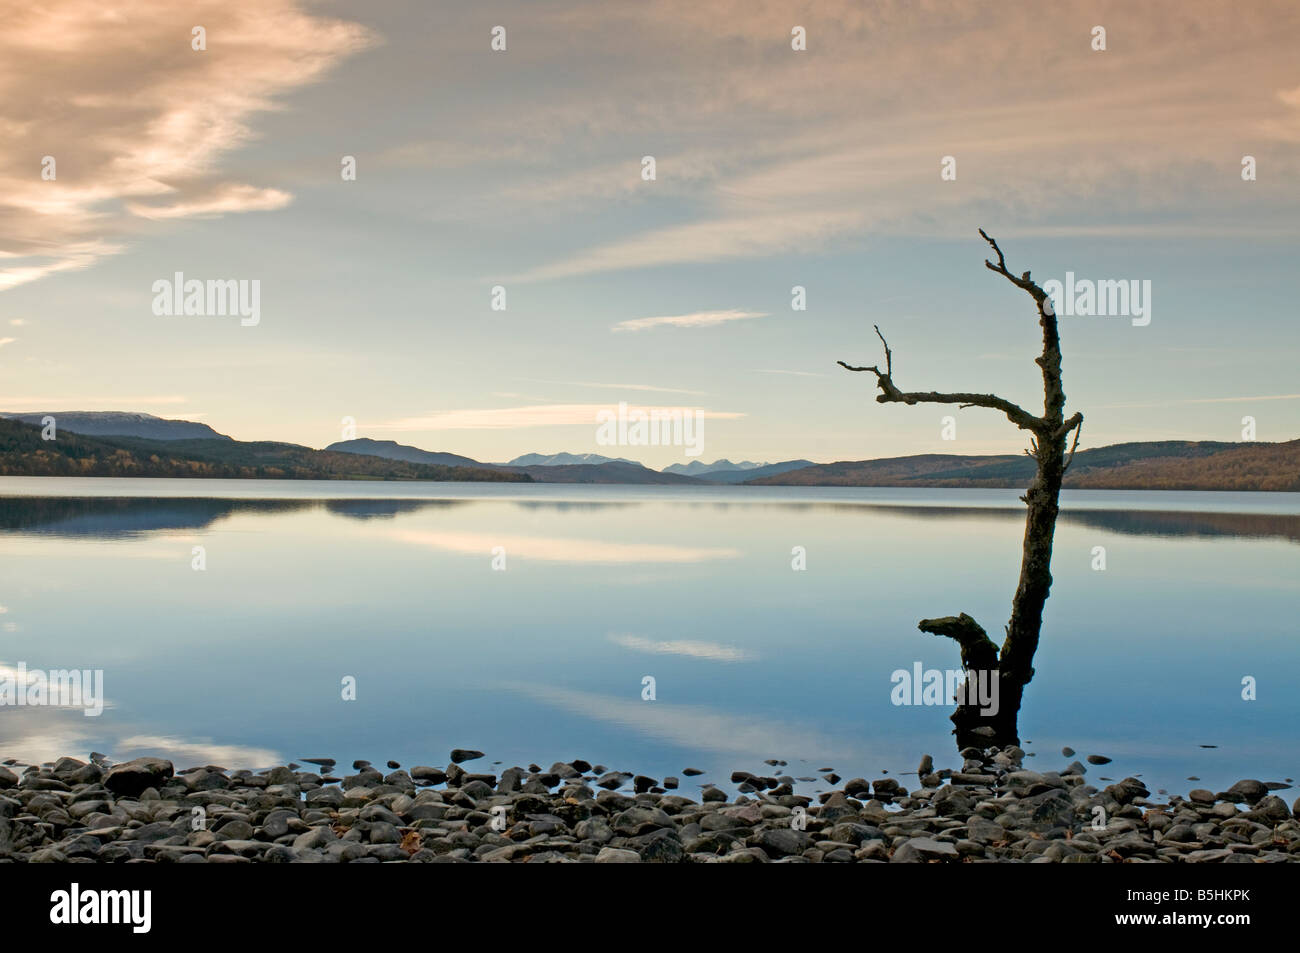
column 545, row 468
column 699, row 467
column 563, row 460
column 92, row 443
column 724, row 471
column 613, row 472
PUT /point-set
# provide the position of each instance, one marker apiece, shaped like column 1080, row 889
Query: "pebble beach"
column 990, row 809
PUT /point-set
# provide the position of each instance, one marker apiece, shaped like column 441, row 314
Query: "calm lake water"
column 393, row 584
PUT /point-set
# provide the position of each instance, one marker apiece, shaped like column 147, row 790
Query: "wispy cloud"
column 1201, row 400
column 125, row 403
column 769, row 370
column 820, row 171
column 640, row 387
column 143, row 121
column 697, row 319
column 734, row 236
column 188, row 753
column 33, row 735
column 218, row 201
column 537, row 415
column 713, row 651
column 697, row 727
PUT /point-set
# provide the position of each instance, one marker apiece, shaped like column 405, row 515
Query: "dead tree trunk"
column 988, row 722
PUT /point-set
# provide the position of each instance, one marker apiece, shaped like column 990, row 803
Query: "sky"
column 859, row 169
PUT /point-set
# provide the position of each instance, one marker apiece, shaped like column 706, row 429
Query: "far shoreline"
column 1258, row 502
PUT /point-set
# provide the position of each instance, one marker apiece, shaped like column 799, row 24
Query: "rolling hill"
column 24, row 453
column 1156, row 465
column 109, row 423
column 392, row 450
column 195, row 450
column 745, row 475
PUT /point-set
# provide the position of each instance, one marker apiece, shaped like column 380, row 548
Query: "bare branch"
column 1024, row 281
column 889, row 355
column 890, row 394
column 1050, row 359
column 1001, row 267
column 1016, row 414
column 1077, row 423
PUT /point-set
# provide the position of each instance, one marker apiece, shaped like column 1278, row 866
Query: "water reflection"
column 386, row 509
column 556, row 549
column 692, row 649
column 696, row 726
column 546, row 661
column 122, row 518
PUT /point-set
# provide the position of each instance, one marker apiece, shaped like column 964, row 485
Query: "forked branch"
column 1050, row 425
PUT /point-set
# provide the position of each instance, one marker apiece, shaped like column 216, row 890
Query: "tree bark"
column 993, row 721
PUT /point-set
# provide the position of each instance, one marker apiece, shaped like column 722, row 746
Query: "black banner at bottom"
column 144, row 902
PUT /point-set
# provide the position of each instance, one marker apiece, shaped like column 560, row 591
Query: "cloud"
column 736, row 235
column 555, row 549
column 34, row 735
column 844, row 141
column 537, row 415
column 76, row 689
column 126, row 404
column 1200, row 400
column 4, row 341
column 218, row 201
column 714, row 651
column 136, row 121
column 697, row 727
column 640, row 387
column 69, row 256
column 191, row 753
column 698, row 319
